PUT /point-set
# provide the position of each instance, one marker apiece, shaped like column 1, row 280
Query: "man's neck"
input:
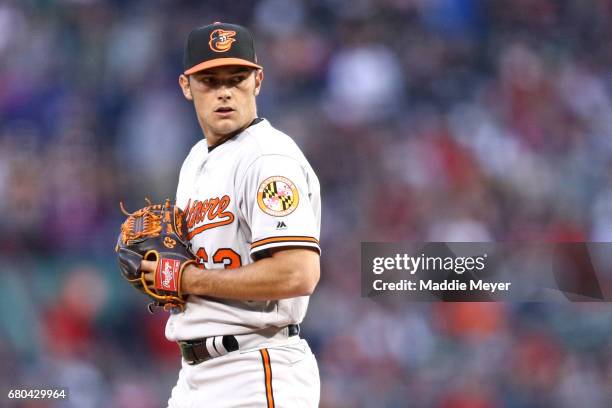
column 218, row 140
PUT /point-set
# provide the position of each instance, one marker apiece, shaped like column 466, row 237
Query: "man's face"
column 224, row 98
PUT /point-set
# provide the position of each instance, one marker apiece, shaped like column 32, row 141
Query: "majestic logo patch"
column 277, row 196
column 221, row 40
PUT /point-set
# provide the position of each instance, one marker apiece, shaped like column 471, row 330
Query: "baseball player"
column 252, row 208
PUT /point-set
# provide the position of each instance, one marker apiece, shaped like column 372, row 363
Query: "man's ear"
column 184, row 84
column 259, row 76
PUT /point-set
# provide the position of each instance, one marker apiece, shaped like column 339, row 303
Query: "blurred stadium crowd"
column 447, row 120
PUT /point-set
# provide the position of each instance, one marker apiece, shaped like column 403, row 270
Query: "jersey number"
column 226, row 256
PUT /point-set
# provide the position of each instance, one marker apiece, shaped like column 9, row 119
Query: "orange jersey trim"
column 284, row 239
column 265, row 358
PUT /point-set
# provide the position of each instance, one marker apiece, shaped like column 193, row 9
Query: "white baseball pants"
column 282, row 375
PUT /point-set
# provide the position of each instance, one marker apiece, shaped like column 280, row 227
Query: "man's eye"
column 215, row 82
column 236, row 80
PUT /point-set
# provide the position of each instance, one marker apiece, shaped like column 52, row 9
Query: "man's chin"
column 226, row 128
column 226, row 132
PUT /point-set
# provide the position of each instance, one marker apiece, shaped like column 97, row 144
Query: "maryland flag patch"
column 277, row 196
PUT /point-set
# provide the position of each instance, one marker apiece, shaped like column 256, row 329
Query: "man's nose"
column 223, row 92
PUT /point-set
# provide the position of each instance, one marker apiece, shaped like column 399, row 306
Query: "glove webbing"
column 142, row 223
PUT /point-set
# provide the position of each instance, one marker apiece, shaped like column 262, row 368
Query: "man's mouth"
column 224, row 110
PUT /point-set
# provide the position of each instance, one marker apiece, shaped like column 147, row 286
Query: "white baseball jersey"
column 253, row 192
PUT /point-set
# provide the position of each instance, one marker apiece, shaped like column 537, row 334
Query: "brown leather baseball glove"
column 156, row 233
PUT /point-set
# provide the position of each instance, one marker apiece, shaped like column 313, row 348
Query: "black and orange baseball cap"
column 219, row 44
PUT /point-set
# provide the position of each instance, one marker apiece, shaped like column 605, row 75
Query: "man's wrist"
column 192, row 279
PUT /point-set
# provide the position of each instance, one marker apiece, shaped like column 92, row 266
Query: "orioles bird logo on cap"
column 221, row 40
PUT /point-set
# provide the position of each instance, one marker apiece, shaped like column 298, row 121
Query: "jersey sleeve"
column 278, row 205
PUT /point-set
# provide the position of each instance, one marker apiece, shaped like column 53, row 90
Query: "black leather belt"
column 196, row 352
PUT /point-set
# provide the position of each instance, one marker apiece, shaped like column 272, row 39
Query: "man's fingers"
column 149, row 277
column 148, row 268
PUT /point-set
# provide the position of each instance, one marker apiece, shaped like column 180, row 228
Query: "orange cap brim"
column 220, row 62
